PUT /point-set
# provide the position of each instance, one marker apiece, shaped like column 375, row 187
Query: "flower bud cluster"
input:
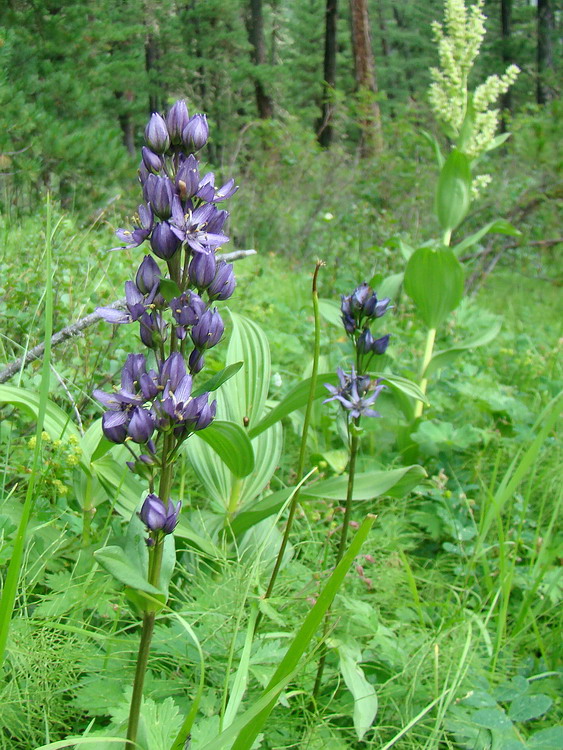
column 359, row 310
column 172, row 303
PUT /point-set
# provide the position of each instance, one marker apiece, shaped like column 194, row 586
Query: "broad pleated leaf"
column 434, row 282
column 396, row 482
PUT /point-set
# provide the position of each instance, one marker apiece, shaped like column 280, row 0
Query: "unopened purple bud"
column 176, row 120
column 148, row 275
column 380, row 345
column 159, row 191
column 153, row 513
column 208, row 331
column 196, row 361
column 156, row 134
column 141, row 426
column 223, row 285
column 152, row 330
column 114, row 426
column 187, row 177
column 152, row 161
column 172, row 371
column 196, row 133
column 164, row 242
column 172, row 516
column 365, row 341
column 202, row 270
column 360, row 295
column 375, row 308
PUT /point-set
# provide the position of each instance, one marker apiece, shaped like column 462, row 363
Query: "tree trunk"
column 544, row 92
column 255, row 27
column 506, row 52
column 324, row 129
column 152, row 54
column 366, row 84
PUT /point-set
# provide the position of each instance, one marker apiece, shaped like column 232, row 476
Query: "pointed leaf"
column 499, row 226
column 446, row 356
column 453, row 193
column 396, row 482
column 230, row 441
column 218, row 379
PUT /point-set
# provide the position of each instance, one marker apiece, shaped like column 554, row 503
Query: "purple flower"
column 160, row 517
column 355, row 393
column 176, row 121
column 164, row 242
column 144, row 223
column 148, row 275
column 223, row 285
column 208, row 192
column 152, row 329
column 152, row 161
column 367, row 344
column 156, row 134
column 202, row 270
column 196, row 133
column 201, row 228
column 159, row 192
column 208, row 331
column 141, row 425
column 187, row 177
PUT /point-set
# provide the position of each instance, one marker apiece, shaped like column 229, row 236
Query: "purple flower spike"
column 156, row 134
column 176, row 120
column 196, row 133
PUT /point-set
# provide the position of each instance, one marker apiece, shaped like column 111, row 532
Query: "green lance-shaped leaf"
column 434, row 282
column 218, row 379
column 330, row 311
column 453, row 192
column 246, row 728
column 445, row 357
column 231, row 443
column 116, row 561
column 498, row 226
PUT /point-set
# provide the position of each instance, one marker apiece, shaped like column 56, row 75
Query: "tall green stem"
column 155, row 564
column 303, row 446
column 428, row 350
column 354, row 446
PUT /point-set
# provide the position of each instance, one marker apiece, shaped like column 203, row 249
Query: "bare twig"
column 73, row 330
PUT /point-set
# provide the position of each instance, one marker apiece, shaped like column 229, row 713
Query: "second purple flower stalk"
column 171, row 299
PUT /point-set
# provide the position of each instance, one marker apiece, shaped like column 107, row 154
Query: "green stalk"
column 155, row 563
column 354, row 446
column 9, row 592
column 303, row 446
column 429, row 348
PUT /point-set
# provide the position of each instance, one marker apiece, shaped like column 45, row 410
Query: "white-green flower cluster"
column 459, row 40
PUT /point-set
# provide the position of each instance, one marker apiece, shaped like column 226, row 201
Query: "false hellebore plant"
column 157, row 408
